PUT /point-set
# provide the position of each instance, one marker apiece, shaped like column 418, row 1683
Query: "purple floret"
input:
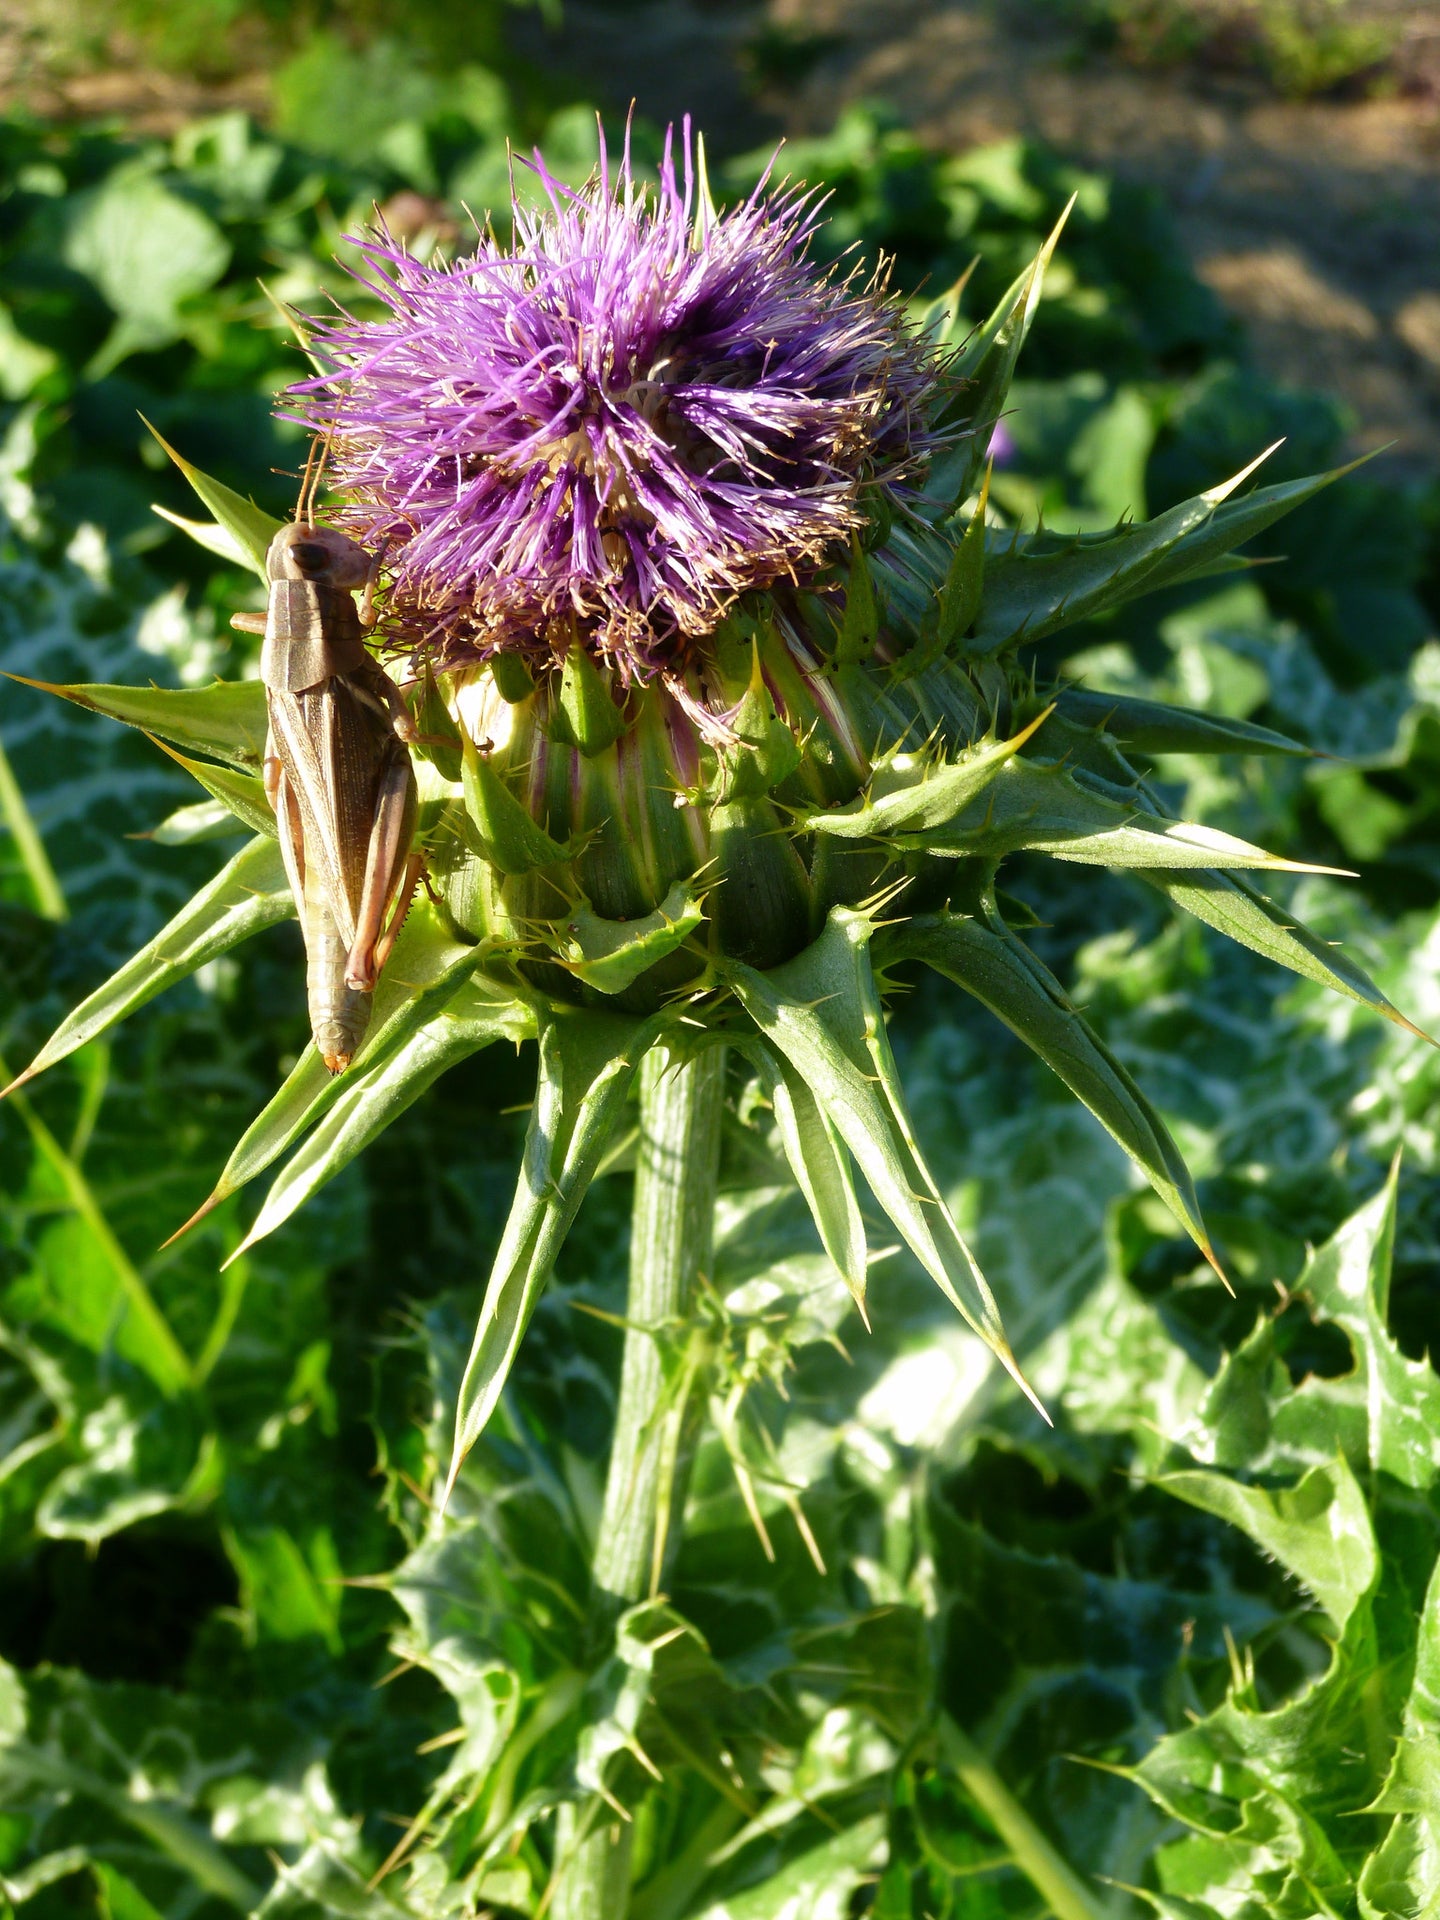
column 641, row 411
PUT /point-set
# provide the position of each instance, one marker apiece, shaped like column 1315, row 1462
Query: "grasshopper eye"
column 310, row 557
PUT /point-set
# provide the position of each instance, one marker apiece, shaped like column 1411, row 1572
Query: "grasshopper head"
column 304, row 551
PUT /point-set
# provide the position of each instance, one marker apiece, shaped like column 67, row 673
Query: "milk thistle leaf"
column 507, row 835
column 928, row 796
column 1050, row 810
column 1230, row 904
column 249, row 528
column 821, row 1163
column 985, row 365
column 1153, row 726
column 210, row 535
column 428, row 970
column 610, row 955
column 987, row 960
column 822, row 1013
column 1348, row 1281
column 373, row 1094
column 242, row 794
column 250, row 892
column 226, row 719
column 591, row 720
column 964, row 589
column 1338, row 1562
column 1031, row 594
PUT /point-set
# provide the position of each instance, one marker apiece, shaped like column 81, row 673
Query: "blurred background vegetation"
column 173, row 174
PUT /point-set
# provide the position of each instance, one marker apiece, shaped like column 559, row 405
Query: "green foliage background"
column 1192, row 1629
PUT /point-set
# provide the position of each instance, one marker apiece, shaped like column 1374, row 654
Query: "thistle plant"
column 716, row 652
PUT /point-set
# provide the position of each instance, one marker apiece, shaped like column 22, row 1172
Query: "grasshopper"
column 337, row 770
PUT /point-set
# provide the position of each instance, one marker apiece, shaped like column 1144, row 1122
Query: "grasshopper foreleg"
column 382, row 696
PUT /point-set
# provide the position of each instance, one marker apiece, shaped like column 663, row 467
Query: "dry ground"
column 1318, row 222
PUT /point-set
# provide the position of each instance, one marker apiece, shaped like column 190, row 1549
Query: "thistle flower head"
column 616, row 426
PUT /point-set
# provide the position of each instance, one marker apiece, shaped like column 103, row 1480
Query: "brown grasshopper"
column 337, row 771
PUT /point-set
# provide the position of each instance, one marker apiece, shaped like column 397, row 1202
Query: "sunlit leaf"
column 1319, row 1529
column 370, row 1097
column 611, row 955
column 248, row 527
column 920, row 796
column 425, row 972
column 987, row 960
column 1049, row 809
column 226, row 719
column 1234, row 907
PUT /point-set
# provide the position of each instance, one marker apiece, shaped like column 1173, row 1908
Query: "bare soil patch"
column 1317, row 222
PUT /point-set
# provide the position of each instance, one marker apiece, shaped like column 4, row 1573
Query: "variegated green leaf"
column 987, row 960
column 68, row 1741
column 587, row 1062
column 249, row 892
column 1049, row 809
column 1412, row 1786
column 369, row 1098
column 822, row 1012
column 226, row 718
column 1239, row 910
column 819, row 1884
column 1348, row 1282
column 1338, row 1562
column 821, row 1164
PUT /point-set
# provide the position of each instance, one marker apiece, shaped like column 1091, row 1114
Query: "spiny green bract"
column 604, row 871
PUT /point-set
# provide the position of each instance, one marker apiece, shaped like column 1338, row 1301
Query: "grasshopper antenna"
column 319, row 472
column 301, row 517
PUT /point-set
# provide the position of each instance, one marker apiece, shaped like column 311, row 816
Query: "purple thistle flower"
column 615, row 429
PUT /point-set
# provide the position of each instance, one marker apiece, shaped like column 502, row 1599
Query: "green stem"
column 670, row 1244
column 1051, row 1875
column 49, row 899
column 167, row 1362
column 672, row 1222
